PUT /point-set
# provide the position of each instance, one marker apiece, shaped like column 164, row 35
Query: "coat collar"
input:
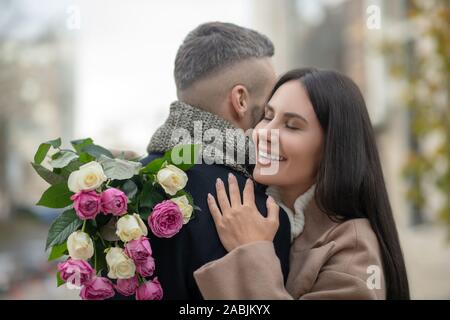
column 308, row 222
column 229, row 149
column 296, row 217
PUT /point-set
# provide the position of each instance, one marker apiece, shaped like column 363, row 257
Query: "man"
column 223, row 75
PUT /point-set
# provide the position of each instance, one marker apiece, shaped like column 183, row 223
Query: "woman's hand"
column 238, row 222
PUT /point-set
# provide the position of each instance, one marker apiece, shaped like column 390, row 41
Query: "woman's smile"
column 266, row 157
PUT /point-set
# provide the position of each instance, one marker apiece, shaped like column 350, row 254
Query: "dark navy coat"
column 198, row 242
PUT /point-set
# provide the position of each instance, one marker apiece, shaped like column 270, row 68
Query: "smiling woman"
column 298, row 137
column 329, row 175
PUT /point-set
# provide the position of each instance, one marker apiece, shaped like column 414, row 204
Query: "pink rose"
column 75, row 271
column 166, row 219
column 87, row 204
column 138, row 250
column 127, row 287
column 114, row 201
column 150, row 290
column 98, row 288
column 147, row 267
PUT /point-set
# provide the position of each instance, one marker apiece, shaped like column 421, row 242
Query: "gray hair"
column 212, row 46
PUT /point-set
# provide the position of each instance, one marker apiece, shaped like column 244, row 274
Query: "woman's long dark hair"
column 350, row 181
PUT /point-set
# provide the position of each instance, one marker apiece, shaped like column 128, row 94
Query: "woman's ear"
column 239, row 100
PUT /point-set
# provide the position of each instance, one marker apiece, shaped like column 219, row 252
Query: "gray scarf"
column 221, row 142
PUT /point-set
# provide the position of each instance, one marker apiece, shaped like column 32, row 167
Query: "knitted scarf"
column 221, row 142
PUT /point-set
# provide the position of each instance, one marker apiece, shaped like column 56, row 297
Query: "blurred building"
column 36, row 98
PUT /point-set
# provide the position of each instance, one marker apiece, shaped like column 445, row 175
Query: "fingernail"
column 219, row 181
column 209, row 196
column 230, row 176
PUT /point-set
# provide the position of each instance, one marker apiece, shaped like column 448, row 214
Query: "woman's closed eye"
column 292, row 126
column 268, row 116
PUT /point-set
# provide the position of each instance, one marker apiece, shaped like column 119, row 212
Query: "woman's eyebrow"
column 288, row 114
column 295, row 115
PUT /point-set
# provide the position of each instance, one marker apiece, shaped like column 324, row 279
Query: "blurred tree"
column 426, row 70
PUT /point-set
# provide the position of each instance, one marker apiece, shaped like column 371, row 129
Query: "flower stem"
column 84, row 226
column 141, row 279
column 101, row 239
column 95, row 260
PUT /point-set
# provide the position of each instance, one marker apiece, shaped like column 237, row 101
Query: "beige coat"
column 327, row 261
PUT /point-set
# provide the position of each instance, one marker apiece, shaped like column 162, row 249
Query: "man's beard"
column 256, row 114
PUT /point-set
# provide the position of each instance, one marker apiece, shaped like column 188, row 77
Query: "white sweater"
column 297, row 218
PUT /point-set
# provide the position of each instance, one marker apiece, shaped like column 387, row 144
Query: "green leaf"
column 148, row 198
column 41, row 153
column 117, row 169
column 55, row 143
column 62, row 228
column 183, row 156
column 59, row 281
column 58, row 251
column 71, row 167
column 129, row 188
column 81, row 143
column 57, row 196
column 96, row 151
column 44, row 148
column 102, row 220
column 99, row 256
column 91, row 227
column 56, row 155
column 154, row 166
column 47, row 175
column 63, row 160
column 85, row 158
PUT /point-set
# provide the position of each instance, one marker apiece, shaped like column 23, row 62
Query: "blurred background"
column 103, row 69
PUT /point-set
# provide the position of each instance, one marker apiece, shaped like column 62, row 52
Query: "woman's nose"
column 259, row 135
column 267, row 135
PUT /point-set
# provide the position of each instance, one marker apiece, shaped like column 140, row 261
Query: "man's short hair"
column 215, row 45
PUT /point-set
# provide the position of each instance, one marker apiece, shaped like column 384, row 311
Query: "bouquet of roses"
column 106, row 203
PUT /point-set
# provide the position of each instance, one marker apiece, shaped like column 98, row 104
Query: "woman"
column 330, row 183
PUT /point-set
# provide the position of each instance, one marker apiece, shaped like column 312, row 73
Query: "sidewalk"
column 427, row 255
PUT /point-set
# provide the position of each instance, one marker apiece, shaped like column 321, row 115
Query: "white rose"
column 80, row 246
column 185, row 208
column 90, row 176
column 131, row 227
column 120, row 266
column 171, row 179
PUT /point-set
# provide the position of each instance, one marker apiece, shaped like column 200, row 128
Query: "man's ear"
column 239, row 100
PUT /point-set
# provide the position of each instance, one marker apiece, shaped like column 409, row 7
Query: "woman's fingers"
column 222, row 197
column 273, row 210
column 214, row 209
column 249, row 193
column 235, row 194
